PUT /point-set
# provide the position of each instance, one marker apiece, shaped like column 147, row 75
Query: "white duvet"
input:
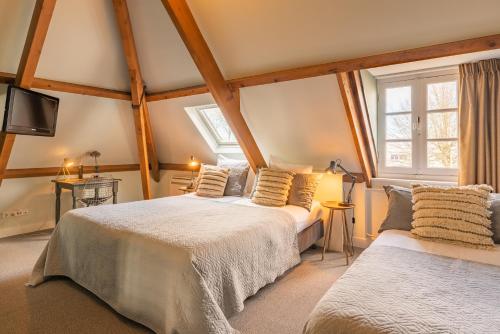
column 177, row 264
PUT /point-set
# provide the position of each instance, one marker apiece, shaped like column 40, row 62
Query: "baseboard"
column 24, row 229
column 361, row 242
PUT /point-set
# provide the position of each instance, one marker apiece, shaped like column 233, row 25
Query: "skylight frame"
column 207, row 131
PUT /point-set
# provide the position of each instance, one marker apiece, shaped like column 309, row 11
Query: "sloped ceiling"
column 303, row 121
column 249, row 37
column 165, row 61
column 83, row 46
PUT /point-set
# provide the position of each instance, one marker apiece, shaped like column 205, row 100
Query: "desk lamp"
column 335, row 165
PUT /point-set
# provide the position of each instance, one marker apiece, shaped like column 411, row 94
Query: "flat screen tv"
column 30, row 113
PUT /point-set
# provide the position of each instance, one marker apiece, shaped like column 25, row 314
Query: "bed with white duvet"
column 405, row 285
column 179, row 264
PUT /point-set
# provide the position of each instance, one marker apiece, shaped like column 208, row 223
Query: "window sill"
column 408, row 180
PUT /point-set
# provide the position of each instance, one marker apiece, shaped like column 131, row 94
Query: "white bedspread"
column 177, row 264
column 403, row 285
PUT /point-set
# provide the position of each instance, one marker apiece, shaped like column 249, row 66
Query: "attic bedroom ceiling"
column 245, row 37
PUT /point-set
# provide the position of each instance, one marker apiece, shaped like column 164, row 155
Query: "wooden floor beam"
column 37, row 32
column 227, row 99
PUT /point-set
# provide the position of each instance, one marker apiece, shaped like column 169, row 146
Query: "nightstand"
column 348, row 246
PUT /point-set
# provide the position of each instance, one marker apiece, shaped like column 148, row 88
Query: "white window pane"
column 398, row 126
column 442, row 95
column 398, row 99
column 442, row 154
column 398, row 154
column 219, row 125
column 442, row 125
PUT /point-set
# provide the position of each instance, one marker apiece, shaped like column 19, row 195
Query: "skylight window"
column 214, row 128
column 215, row 121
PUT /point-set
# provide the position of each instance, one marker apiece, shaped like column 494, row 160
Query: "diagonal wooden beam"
column 37, row 32
column 145, row 143
column 227, row 99
column 360, row 128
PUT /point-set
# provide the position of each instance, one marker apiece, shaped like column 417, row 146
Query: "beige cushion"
column 303, row 189
column 272, row 187
column 212, row 181
column 456, row 215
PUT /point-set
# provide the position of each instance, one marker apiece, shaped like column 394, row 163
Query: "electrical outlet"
column 14, row 213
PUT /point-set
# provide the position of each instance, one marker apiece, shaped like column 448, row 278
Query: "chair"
column 96, row 191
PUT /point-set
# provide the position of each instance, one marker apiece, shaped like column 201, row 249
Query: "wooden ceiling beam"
column 66, row 87
column 37, row 32
column 359, row 125
column 391, row 58
column 174, row 93
column 144, row 136
column 227, row 99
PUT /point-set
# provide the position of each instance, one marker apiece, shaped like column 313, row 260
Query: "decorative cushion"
column 303, row 189
column 272, row 187
column 238, row 173
column 455, row 215
column 236, row 181
column 399, row 211
column 212, row 181
column 277, row 163
column 495, row 218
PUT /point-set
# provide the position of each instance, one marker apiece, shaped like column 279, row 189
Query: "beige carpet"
column 61, row 306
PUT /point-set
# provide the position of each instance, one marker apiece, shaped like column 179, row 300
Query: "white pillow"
column 277, row 163
column 228, row 162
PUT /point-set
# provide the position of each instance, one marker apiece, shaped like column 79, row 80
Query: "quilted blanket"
column 176, row 265
column 394, row 290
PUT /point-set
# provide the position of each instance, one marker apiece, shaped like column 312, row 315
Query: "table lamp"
column 335, row 165
column 193, row 163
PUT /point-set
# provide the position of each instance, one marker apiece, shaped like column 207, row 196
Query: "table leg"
column 328, row 230
column 346, row 239
column 115, row 192
column 74, row 198
column 58, row 203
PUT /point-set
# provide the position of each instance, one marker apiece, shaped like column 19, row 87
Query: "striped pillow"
column 455, row 215
column 272, row 187
column 212, row 181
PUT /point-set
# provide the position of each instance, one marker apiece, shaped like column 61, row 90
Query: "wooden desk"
column 76, row 184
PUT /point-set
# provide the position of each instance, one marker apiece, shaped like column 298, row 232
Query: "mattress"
column 302, row 217
column 403, row 239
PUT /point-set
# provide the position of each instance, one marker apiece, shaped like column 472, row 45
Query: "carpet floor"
column 61, row 306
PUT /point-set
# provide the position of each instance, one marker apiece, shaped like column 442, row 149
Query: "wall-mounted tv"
column 30, row 113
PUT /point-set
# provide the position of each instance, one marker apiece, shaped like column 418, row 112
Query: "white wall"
column 84, row 123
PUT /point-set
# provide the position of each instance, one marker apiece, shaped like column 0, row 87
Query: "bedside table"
column 186, row 190
column 347, row 247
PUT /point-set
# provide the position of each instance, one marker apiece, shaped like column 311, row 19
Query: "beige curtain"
column 479, row 114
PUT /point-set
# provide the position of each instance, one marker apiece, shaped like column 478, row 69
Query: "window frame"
column 207, row 131
column 418, row 82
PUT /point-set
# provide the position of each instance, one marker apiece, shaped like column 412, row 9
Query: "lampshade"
column 68, row 162
column 193, row 162
column 330, row 188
